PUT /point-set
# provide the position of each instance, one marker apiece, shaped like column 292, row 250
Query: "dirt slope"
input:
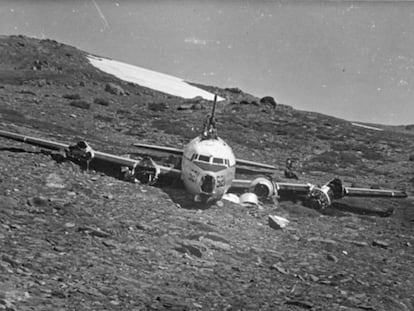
column 76, row 240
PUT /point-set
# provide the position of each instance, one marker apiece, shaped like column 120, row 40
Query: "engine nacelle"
column 321, row 197
column 146, row 171
column 80, row 151
column 263, row 187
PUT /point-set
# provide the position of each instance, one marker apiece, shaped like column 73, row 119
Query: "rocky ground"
column 76, row 240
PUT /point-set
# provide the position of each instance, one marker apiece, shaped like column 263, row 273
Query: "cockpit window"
column 204, row 158
column 218, row 161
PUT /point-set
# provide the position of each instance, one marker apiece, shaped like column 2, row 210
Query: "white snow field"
column 366, row 126
column 150, row 79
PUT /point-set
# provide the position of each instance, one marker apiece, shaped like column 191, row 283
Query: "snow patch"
column 150, row 79
column 367, row 127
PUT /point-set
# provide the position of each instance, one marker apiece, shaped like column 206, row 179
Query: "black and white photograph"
column 206, row 155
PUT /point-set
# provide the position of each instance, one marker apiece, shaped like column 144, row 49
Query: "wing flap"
column 254, row 164
column 170, row 150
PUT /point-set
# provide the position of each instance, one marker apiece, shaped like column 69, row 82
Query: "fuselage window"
column 193, row 156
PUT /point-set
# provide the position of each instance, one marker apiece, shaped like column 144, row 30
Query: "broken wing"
column 84, row 153
column 317, row 196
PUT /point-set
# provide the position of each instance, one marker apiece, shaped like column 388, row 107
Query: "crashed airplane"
column 207, row 169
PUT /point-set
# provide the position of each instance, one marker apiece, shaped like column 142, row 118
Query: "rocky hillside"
column 71, row 239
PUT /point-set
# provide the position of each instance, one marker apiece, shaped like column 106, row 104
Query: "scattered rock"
column 71, row 96
column 37, row 201
column 216, row 244
column 185, row 107
column 108, row 196
column 114, row 89
column 24, row 91
column 69, row 225
column 170, row 302
column 143, row 226
column 277, row 222
column 94, row 231
column 102, row 101
column 332, row 257
column 157, row 106
column 279, row 269
column 235, row 90
column 83, row 104
column 380, row 243
column 197, row 106
column 55, row 181
column 313, row 278
column 41, row 82
column 359, row 243
column 191, row 248
column 322, row 240
column 300, row 303
column 13, row 262
column 268, row 100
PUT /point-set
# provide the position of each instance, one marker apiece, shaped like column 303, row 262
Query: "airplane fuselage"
column 208, row 168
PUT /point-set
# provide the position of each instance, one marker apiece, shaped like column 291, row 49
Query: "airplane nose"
column 208, row 183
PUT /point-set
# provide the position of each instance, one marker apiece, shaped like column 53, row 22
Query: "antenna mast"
column 210, row 131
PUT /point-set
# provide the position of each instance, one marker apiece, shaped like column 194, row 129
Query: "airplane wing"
column 177, row 151
column 83, row 152
column 320, row 197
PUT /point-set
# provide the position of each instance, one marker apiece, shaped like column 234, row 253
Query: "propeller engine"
column 263, row 187
column 321, row 197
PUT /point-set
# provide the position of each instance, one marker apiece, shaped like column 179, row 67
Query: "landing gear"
column 208, row 200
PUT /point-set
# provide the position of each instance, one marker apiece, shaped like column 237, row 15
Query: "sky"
column 349, row 59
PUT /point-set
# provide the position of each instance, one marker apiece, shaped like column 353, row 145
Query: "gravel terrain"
column 72, row 239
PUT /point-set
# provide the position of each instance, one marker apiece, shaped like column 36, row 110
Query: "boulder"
column 268, row 100
column 158, row 106
column 114, row 89
column 80, row 104
column 71, row 96
column 277, row 222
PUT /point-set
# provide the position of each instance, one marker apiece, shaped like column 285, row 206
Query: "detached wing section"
column 243, row 165
column 145, row 169
column 33, row 141
column 317, row 197
column 378, row 193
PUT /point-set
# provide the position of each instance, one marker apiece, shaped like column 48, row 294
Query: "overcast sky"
column 350, row 59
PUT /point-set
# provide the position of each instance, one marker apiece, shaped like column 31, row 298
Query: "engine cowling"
column 321, row 197
column 263, row 187
column 80, row 151
column 146, row 171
